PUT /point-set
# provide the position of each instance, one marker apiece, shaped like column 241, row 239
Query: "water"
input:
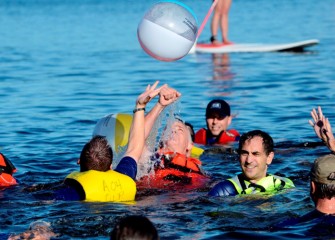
column 65, row 64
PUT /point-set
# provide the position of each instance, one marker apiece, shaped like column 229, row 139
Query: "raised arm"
column 327, row 131
column 136, row 134
column 322, row 128
column 167, row 96
column 317, row 122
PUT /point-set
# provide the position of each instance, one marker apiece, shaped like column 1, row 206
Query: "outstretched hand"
column 149, row 93
column 322, row 128
column 168, row 95
column 317, row 122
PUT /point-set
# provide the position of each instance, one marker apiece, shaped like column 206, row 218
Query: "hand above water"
column 168, row 95
column 149, row 93
column 322, row 128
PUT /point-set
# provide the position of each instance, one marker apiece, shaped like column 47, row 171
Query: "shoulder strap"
column 242, row 183
column 251, row 185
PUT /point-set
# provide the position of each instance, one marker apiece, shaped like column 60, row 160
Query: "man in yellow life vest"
column 96, row 181
column 255, row 155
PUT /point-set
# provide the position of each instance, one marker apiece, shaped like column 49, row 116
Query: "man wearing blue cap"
column 218, row 119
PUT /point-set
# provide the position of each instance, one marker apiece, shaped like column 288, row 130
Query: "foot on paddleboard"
column 227, row 43
column 214, row 41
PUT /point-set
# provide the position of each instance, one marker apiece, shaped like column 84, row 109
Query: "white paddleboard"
column 254, row 47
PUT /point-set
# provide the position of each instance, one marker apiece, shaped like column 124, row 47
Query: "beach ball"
column 115, row 127
column 168, row 30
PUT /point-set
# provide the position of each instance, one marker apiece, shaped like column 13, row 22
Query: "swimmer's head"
column 218, row 116
column 134, row 227
column 178, row 138
column 96, row 155
column 37, row 230
column 40, row 225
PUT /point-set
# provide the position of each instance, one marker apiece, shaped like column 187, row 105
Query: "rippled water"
column 65, row 64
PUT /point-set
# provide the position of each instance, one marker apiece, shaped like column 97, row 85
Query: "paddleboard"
column 254, row 47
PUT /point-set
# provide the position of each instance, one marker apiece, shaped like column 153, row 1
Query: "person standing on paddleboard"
column 220, row 18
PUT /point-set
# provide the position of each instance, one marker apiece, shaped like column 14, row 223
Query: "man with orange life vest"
column 6, row 172
column 96, row 181
column 218, row 119
column 174, row 163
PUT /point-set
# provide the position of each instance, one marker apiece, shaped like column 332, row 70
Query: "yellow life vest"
column 270, row 183
column 109, row 186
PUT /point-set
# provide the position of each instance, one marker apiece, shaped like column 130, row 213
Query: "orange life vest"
column 177, row 171
column 201, row 137
column 181, row 162
column 6, row 171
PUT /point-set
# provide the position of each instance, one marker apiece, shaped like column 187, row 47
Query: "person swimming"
column 218, row 119
column 256, row 154
column 173, row 161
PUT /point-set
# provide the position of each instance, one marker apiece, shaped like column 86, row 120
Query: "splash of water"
column 163, row 125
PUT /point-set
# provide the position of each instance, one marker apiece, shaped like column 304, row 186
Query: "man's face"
column 217, row 124
column 253, row 159
column 177, row 139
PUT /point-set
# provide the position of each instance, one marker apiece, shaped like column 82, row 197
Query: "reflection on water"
column 221, row 67
column 223, row 75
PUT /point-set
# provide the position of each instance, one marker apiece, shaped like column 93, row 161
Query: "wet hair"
column 267, row 140
column 134, row 227
column 96, row 155
column 190, row 127
column 324, row 190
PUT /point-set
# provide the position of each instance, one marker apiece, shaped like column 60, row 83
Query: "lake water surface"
column 66, row 64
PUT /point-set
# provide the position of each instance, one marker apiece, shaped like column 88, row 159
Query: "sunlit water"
column 65, row 64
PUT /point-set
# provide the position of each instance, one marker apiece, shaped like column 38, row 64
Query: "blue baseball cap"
column 217, row 108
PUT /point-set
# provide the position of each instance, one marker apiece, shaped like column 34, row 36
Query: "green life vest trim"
column 269, row 183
